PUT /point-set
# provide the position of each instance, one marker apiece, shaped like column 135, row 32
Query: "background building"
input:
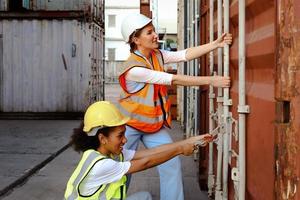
column 115, row 11
column 116, row 50
column 167, row 23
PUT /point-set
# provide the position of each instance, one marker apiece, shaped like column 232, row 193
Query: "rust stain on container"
column 260, row 67
column 272, row 90
column 287, row 129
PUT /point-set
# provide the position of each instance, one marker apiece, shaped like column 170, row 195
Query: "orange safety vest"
column 148, row 108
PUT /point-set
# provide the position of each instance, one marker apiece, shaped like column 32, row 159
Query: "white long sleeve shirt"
column 138, row 76
column 104, row 172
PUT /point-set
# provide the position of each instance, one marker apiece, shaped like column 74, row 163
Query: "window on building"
column 111, row 20
column 111, row 54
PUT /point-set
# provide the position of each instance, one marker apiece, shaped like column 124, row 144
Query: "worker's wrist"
column 178, row 147
column 209, row 80
column 214, row 44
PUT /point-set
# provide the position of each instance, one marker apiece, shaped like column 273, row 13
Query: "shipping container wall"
column 287, row 94
column 260, row 88
column 50, row 65
column 3, row 5
column 272, row 93
column 94, row 8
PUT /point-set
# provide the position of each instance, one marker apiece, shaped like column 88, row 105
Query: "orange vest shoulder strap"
column 133, row 61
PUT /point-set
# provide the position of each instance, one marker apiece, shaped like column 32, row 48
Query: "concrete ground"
column 36, row 161
column 30, row 146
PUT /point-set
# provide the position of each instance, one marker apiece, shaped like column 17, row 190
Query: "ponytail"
column 82, row 142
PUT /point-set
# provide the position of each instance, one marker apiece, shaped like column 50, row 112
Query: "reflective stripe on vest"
column 148, row 108
column 112, row 191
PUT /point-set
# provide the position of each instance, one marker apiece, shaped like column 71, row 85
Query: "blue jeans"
column 171, row 187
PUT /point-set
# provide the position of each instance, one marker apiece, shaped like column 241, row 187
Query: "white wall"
column 167, row 15
column 113, row 36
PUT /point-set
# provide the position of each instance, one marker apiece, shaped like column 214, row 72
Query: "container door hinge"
column 244, row 109
column 220, row 99
column 235, row 176
column 227, row 102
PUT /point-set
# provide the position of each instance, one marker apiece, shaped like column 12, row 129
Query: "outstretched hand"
column 220, row 81
column 225, row 38
column 191, row 144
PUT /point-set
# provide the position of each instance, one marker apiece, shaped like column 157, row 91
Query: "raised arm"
column 148, row 158
column 196, row 52
column 185, row 80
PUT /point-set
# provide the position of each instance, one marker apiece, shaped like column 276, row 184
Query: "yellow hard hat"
column 102, row 114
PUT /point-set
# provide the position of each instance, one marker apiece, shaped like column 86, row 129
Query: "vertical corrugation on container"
column 1, row 67
column 260, row 67
column 287, row 93
column 93, row 9
column 97, row 61
column 272, row 92
column 41, row 71
column 61, row 4
column 204, row 93
column 3, row 5
column 53, row 5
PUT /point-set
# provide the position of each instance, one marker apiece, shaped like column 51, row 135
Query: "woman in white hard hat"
column 144, row 94
column 101, row 171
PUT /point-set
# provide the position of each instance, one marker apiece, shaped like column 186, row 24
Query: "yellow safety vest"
column 112, row 191
column 148, row 108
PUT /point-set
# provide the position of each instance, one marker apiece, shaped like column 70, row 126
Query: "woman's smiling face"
column 148, row 39
column 116, row 140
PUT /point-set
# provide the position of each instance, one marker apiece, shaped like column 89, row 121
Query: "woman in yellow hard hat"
column 144, row 94
column 101, row 172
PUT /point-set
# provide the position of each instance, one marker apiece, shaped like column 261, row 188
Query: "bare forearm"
column 157, row 150
column 154, row 159
column 196, row 52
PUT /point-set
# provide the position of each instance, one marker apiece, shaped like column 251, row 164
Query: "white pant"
column 140, row 196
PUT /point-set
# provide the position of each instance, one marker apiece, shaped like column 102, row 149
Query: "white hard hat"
column 133, row 22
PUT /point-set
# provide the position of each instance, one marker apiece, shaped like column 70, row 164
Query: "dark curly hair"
column 82, row 142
